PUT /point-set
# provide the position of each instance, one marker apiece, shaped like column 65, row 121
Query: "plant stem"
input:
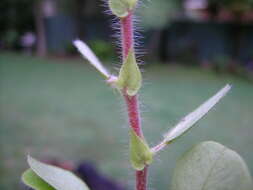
column 133, row 113
column 141, row 179
column 127, row 34
column 132, row 101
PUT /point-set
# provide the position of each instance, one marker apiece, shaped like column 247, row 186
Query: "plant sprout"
column 128, row 83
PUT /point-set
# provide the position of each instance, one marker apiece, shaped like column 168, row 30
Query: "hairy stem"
column 133, row 113
column 132, row 101
column 141, row 179
column 127, row 34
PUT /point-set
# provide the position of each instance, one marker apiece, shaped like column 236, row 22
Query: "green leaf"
column 121, row 8
column 211, row 166
column 130, row 76
column 57, row 178
column 187, row 122
column 140, row 153
column 34, row 181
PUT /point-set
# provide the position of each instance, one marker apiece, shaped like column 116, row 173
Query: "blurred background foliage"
column 175, row 30
column 157, row 14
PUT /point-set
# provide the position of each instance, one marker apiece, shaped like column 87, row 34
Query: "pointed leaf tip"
column 91, row 57
column 130, row 76
column 187, row 122
column 140, row 153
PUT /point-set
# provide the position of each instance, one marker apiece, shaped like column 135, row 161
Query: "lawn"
column 62, row 108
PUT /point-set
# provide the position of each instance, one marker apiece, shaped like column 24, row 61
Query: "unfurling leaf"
column 46, row 177
column 140, row 153
column 121, row 8
column 130, row 76
column 211, row 166
column 187, row 122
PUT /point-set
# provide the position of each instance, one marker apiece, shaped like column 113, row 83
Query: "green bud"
column 130, row 76
column 140, row 153
column 121, row 8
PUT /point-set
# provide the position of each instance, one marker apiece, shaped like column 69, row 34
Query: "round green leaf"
column 57, row 178
column 211, row 166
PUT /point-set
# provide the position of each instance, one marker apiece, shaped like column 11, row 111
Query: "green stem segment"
column 132, row 101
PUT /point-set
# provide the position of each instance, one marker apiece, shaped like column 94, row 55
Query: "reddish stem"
column 133, row 114
column 141, row 179
column 127, row 34
column 132, row 101
column 134, row 120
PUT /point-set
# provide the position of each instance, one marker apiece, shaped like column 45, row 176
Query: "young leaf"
column 187, row 122
column 130, row 76
column 211, row 166
column 58, row 178
column 34, row 181
column 91, row 57
column 140, row 153
column 121, row 8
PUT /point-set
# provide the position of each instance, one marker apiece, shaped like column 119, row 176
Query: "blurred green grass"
column 62, row 108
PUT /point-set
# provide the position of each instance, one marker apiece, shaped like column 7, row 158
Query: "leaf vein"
column 212, row 168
